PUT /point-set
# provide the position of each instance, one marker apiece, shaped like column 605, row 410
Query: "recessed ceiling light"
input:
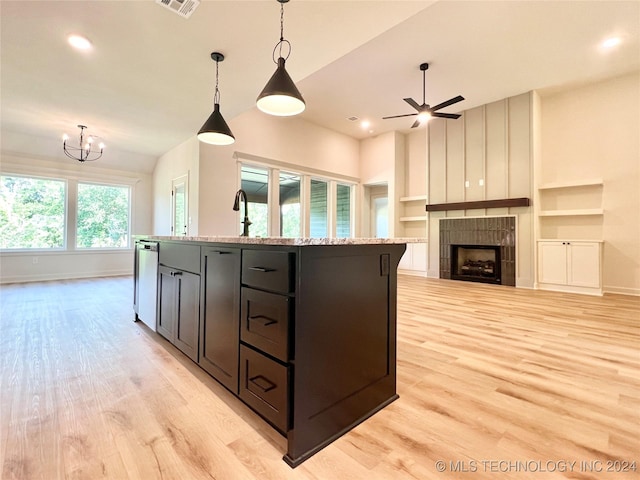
column 365, row 124
column 611, row 42
column 79, row 42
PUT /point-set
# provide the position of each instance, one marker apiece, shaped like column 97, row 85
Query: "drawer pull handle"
column 176, row 274
column 266, row 320
column 220, row 252
column 262, row 383
column 262, row 269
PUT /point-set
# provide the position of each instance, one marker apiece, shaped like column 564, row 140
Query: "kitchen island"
column 303, row 331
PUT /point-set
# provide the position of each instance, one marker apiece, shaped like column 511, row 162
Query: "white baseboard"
column 622, row 290
column 62, row 276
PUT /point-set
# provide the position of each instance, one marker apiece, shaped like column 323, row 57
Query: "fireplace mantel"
column 501, row 203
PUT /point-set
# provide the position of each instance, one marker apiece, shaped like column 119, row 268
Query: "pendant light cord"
column 282, row 40
column 216, row 95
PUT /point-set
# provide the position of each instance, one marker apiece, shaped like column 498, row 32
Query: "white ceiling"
column 147, row 84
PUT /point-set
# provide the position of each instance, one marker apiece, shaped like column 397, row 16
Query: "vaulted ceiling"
column 147, row 83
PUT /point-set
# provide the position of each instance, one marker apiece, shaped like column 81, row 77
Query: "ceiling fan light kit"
column 425, row 112
column 215, row 130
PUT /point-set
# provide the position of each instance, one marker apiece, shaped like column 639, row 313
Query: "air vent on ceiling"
column 353, row 119
column 184, row 8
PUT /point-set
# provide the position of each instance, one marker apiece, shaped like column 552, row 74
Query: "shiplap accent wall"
column 491, row 148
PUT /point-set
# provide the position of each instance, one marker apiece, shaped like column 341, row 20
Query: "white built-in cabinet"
column 414, row 259
column 570, row 266
column 570, row 215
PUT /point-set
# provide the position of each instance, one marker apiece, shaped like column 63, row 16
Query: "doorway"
column 378, row 203
column 180, row 206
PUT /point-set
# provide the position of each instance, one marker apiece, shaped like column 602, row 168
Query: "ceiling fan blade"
column 446, row 115
column 416, row 124
column 398, row 116
column 413, row 103
column 451, row 101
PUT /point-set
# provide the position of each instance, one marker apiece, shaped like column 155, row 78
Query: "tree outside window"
column 32, row 212
column 103, row 216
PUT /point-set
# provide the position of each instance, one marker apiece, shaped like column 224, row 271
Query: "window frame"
column 71, row 180
column 65, row 221
column 274, row 169
column 129, row 214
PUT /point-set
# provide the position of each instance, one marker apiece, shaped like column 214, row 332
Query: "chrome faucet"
column 236, row 207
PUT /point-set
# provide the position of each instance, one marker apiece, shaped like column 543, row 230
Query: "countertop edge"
column 293, row 242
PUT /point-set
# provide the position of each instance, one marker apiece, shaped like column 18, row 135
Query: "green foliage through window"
column 32, row 212
column 103, row 216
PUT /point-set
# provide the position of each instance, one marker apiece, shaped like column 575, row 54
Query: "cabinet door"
column 188, row 313
column 584, row 264
column 220, row 325
column 552, row 262
column 166, row 303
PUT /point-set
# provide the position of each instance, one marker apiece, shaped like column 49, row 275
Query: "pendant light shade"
column 215, row 130
column 280, row 96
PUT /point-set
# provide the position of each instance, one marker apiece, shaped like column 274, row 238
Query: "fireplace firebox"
column 476, row 263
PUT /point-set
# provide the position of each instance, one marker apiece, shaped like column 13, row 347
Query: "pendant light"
column 215, row 130
column 280, row 96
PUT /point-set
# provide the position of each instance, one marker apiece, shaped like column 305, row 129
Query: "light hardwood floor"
column 492, row 380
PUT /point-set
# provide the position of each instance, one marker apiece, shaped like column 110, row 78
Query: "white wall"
column 594, row 132
column 290, row 140
column 182, row 160
column 52, row 265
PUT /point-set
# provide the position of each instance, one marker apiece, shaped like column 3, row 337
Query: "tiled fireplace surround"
column 480, row 231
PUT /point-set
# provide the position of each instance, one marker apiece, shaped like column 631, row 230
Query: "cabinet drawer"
column 264, row 386
column 177, row 255
column 265, row 321
column 268, row 270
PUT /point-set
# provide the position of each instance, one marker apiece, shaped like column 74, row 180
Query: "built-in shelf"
column 571, row 213
column 415, row 198
column 422, row 218
column 577, row 183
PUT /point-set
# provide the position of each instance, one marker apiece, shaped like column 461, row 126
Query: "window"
column 32, row 212
column 42, row 213
column 255, row 183
column 343, row 211
column 289, row 205
column 318, row 220
column 103, row 216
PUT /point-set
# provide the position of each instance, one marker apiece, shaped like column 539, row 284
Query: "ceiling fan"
column 424, row 111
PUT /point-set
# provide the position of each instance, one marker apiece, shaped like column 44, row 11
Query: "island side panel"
column 344, row 366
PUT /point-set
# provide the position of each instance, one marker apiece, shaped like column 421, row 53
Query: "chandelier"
column 85, row 151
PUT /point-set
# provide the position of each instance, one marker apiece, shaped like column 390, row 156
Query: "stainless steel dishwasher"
column 147, row 252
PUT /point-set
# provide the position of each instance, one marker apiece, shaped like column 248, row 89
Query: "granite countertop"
column 295, row 242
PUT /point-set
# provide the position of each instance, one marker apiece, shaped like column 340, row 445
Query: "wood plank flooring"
column 495, row 382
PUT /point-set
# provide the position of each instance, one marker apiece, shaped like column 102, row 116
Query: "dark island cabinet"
column 179, row 296
column 220, row 318
column 305, row 335
column 178, row 315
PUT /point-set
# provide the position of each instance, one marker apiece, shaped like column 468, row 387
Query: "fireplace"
column 498, row 233
column 476, row 263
